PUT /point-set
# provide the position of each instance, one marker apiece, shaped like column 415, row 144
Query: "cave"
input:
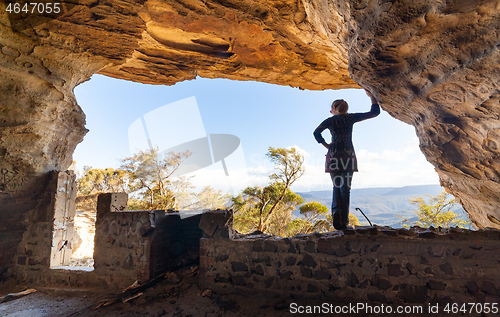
column 431, row 64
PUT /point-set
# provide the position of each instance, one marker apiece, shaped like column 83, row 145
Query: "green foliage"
column 437, row 212
column 297, row 226
column 207, row 198
column 148, row 180
column 269, row 209
column 289, row 166
column 312, row 209
column 254, row 204
column 279, row 220
column 288, row 163
column 353, row 220
column 96, row 181
column 149, row 177
column 314, row 214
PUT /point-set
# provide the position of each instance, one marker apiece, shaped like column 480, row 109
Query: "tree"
column 437, row 213
column 281, row 218
column 96, row 181
column 315, row 216
column 150, row 178
column 254, row 204
column 319, row 219
column 289, row 164
column 353, row 220
column 206, row 198
column 268, row 209
column 297, row 226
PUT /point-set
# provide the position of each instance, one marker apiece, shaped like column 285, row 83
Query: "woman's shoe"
column 337, row 221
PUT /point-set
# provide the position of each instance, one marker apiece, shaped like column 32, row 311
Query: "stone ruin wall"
column 373, row 265
column 129, row 246
column 432, row 64
column 365, row 265
column 121, row 254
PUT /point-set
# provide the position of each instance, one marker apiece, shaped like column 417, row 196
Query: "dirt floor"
column 176, row 295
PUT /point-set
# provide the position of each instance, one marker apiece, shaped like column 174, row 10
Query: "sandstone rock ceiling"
column 432, row 64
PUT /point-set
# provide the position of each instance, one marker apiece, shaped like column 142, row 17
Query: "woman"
column 341, row 160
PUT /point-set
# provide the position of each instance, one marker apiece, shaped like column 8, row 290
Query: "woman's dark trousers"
column 340, row 200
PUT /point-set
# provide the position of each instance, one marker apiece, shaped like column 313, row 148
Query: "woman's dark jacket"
column 341, row 156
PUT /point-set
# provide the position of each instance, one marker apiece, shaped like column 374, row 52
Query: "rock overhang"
column 434, row 65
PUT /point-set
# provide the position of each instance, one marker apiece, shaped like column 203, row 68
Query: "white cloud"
column 386, row 155
column 237, row 180
column 411, row 147
column 301, row 151
column 391, row 155
column 385, row 168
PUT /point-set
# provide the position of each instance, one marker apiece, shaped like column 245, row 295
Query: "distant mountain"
column 381, row 205
column 420, row 190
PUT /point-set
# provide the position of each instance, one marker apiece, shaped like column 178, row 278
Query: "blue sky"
column 260, row 115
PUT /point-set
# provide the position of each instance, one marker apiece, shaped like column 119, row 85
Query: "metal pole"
column 364, row 215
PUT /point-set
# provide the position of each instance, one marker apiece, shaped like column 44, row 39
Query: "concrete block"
column 111, row 202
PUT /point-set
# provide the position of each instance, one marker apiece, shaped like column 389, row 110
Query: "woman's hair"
column 341, row 106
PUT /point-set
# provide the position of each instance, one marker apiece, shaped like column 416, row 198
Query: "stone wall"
column 123, row 240
column 363, row 265
column 129, row 245
column 176, row 243
column 432, row 64
column 49, row 237
column 139, row 245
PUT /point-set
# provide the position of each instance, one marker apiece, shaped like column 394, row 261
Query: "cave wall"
column 43, row 57
column 40, row 126
column 432, row 64
column 292, row 43
column 130, row 245
column 40, row 120
column 435, row 65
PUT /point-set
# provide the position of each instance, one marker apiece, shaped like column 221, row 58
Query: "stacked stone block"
column 367, row 264
column 49, row 238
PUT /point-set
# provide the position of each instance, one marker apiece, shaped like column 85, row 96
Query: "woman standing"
column 341, row 160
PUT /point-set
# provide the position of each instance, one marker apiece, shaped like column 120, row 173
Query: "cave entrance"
column 65, row 236
column 260, row 115
column 83, row 255
column 63, row 232
column 84, row 219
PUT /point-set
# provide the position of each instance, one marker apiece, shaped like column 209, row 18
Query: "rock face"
column 432, row 64
column 436, row 66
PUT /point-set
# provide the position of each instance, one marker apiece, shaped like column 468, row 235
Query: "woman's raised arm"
column 374, row 111
column 374, row 100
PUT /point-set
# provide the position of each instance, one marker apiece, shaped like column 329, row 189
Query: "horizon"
column 388, row 187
